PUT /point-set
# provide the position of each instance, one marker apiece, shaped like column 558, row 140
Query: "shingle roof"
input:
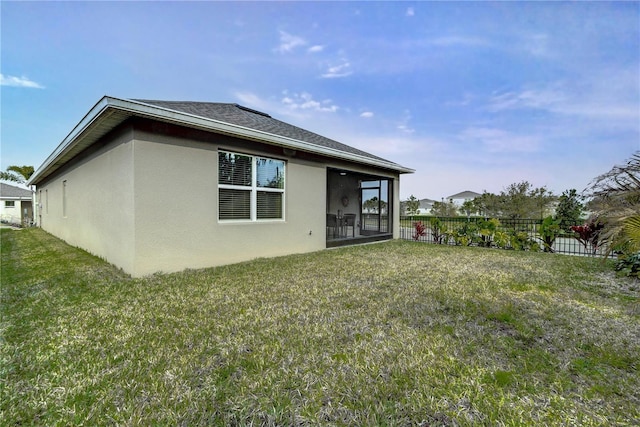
column 229, row 119
column 253, row 119
column 12, row 192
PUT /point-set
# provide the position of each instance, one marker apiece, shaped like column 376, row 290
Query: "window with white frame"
column 250, row 188
column 9, row 204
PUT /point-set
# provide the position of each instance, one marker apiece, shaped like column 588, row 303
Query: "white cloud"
column 466, row 100
column 403, row 125
column 537, row 44
column 342, row 70
column 19, row 82
column 591, row 99
column 315, row 48
column 449, row 41
column 289, row 42
column 366, row 114
column 410, row 12
column 539, row 99
column 297, row 106
column 254, row 101
column 499, row 140
column 305, row 101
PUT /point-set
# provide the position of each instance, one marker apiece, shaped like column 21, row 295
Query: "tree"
column 19, row 174
column 569, row 209
column 517, row 201
column 468, row 208
column 549, row 230
column 371, row 205
column 444, row 209
column 520, row 200
column 488, row 205
column 412, row 205
column 616, row 205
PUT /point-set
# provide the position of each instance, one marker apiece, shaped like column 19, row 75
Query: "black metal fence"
column 515, row 234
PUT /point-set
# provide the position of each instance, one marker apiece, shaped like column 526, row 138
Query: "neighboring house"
column 163, row 186
column 425, row 206
column 16, row 205
column 460, row 198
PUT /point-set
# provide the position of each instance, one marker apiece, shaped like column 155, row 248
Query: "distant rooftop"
column 12, row 192
column 465, row 195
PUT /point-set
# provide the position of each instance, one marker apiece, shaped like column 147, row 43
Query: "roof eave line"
column 68, row 141
column 166, row 114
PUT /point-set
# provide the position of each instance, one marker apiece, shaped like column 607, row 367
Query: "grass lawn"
column 397, row 333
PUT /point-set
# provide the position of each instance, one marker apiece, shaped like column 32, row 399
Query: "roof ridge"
column 176, row 101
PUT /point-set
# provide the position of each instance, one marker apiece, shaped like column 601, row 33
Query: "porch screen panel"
column 375, row 207
column 384, row 206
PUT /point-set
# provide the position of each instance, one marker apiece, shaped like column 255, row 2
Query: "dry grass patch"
column 399, row 333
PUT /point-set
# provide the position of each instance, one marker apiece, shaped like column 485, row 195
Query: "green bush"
column 520, row 241
column 465, row 235
column 629, row 265
column 550, row 229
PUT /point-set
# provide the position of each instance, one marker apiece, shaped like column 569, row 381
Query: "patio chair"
column 332, row 222
column 350, row 221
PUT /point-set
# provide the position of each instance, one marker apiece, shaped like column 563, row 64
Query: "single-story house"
column 16, row 205
column 463, row 196
column 424, row 208
column 164, row 185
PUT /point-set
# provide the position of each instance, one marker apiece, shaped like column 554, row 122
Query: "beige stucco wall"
column 395, row 224
column 176, row 205
column 99, row 202
column 148, row 202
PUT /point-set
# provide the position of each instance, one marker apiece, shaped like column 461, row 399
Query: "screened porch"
column 358, row 207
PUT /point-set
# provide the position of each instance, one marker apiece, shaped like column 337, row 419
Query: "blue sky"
column 472, row 95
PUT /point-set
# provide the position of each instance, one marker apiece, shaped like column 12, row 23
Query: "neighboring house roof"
column 229, row 119
column 426, row 203
column 465, row 195
column 12, row 192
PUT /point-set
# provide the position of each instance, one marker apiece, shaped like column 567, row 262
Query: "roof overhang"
column 17, row 198
column 110, row 112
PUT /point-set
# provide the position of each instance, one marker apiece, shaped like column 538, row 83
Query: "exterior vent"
column 252, row 110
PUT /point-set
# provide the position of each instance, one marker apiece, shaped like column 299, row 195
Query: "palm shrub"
column 520, row 241
column 487, row 229
column 465, row 235
column 19, row 174
column 629, row 265
column 549, row 230
column 616, row 206
column 438, row 230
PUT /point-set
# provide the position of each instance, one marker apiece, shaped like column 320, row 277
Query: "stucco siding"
column 145, row 198
column 89, row 203
column 176, row 209
column 395, row 223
